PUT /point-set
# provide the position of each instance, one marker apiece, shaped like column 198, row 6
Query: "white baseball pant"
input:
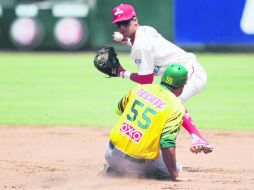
column 196, row 82
column 122, row 164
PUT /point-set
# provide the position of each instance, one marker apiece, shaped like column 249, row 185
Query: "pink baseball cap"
column 123, row 12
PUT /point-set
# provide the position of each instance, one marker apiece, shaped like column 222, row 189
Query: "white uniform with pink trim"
column 153, row 53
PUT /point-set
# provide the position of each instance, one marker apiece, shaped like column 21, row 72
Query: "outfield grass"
column 66, row 89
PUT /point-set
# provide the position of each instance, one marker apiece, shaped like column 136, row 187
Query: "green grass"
column 66, row 89
column 227, row 102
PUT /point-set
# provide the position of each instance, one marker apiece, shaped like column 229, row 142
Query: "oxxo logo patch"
column 131, row 132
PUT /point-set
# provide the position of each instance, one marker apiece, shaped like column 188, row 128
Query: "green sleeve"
column 122, row 104
column 169, row 134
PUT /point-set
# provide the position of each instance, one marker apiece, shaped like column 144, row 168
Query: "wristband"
column 125, row 74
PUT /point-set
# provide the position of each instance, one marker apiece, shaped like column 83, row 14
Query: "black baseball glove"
column 107, row 62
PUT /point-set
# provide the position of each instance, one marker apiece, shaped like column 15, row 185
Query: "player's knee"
column 205, row 79
column 201, row 82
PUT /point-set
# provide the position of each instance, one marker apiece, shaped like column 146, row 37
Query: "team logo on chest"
column 138, row 61
column 131, row 132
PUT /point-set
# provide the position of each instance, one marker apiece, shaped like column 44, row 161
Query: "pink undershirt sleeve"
column 142, row 79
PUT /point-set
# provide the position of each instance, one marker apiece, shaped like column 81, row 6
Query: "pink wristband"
column 125, row 74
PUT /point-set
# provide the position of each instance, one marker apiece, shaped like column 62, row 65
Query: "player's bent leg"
column 195, row 84
column 123, row 164
column 108, row 171
column 157, row 169
column 199, row 143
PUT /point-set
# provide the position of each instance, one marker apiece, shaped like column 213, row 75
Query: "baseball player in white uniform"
column 152, row 53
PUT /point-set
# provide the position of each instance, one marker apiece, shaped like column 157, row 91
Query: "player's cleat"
column 207, row 149
column 199, row 146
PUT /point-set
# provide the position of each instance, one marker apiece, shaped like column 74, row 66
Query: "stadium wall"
column 218, row 25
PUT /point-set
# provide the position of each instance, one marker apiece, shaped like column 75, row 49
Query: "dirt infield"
column 70, row 158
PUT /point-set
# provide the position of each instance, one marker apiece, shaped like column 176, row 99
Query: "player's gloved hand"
column 107, row 62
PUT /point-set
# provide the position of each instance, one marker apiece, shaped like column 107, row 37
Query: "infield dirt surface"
column 70, row 158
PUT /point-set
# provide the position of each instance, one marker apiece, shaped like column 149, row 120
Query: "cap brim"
column 120, row 19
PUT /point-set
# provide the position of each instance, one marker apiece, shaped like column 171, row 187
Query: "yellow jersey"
column 151, row 117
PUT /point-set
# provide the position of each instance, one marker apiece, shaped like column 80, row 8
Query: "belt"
column 127, row 157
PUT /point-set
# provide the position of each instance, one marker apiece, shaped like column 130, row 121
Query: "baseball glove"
column 107, row 62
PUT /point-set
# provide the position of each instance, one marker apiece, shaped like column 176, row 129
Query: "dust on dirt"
column 70, row 158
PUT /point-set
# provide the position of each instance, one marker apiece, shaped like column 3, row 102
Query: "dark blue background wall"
column 210, row 22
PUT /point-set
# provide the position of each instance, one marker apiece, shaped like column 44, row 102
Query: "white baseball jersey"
column 152, row 53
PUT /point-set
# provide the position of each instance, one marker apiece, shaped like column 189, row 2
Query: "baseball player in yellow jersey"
column 142, row 143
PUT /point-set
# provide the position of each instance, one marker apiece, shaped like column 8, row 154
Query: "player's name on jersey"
column 152, row 99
